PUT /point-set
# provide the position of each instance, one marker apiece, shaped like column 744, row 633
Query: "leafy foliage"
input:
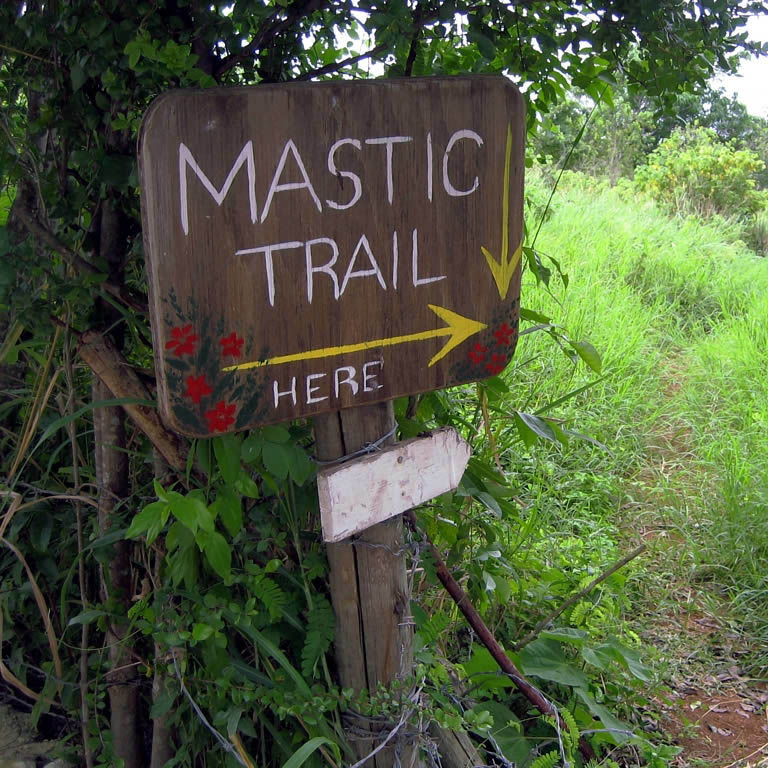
column 695, row 172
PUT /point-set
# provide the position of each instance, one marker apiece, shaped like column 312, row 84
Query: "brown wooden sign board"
column 312, row 247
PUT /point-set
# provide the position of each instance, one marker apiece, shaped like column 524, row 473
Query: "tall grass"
column 679, row 310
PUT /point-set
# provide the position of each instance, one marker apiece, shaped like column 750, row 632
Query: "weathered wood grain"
column 353, row 226
column 371, row 489
column 369, row 588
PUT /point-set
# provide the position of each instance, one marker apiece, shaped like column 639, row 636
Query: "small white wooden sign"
column 369, row 490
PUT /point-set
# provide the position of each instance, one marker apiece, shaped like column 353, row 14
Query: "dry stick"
column 118, row 376
column 575, row 598
column 533, row 694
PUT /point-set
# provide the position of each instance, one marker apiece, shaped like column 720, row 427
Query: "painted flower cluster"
column 183, row 342
column 492, row 357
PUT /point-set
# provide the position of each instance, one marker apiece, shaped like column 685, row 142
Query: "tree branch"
column 121, row 380
column 533, row 694
column 337, row 65
column 47, row 238
column 269, row 30
column 417, row 25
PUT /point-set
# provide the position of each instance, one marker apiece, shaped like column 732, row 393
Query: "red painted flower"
column 478, row 353
column 496, row 364
column 504, row 335
column 231, row 344
column 197, row 388
column 182, row 341
column 221, row 417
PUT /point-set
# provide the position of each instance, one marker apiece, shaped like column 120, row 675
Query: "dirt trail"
column 711, row 709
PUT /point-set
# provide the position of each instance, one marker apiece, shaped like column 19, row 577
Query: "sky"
column 751, row 85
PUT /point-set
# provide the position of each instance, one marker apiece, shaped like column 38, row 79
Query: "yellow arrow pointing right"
column 459, row 329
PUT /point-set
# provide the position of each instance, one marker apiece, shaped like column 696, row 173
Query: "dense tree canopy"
column 76, row 76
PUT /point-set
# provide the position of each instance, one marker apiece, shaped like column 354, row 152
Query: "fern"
column 434, row 627
column 573, row 730
column 546, row 761
column 579, row 613
column 320, row 626
column 270, row 594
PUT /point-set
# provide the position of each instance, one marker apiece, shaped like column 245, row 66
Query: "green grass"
column 678, row 310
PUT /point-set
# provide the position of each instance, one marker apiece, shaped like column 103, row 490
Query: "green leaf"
column 299, row 465
column 545, row 659
column 133, row 50
column 272, row 650
column 320, row 631
column 276, row 459
column 191, row 512
column 233, row 720
column 488, row 502
column 117, row 170
column 507, row 731
column 201, row 632
column 251, row 448
column 78, row 77
column 588, row 354
column 276, row 434
column 218, row 554
column 40, row 530
column 86, row 617
column 299, row 757
column 228, row 507
column 568, row 635
column 227, row 450
column 147, row 518
column 161, row 705
column 483, row 42
column 245, row 486
column 619, row 730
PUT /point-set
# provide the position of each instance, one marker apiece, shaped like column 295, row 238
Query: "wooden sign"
column 312, row 247
column 369, row 490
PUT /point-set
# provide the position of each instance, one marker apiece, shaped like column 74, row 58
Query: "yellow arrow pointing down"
column 503, row 269
column 459, row 329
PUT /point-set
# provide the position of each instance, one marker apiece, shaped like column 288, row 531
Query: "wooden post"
column 369, row 589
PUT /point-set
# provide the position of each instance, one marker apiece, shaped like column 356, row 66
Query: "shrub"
column 695, row 172
column 756, row 233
